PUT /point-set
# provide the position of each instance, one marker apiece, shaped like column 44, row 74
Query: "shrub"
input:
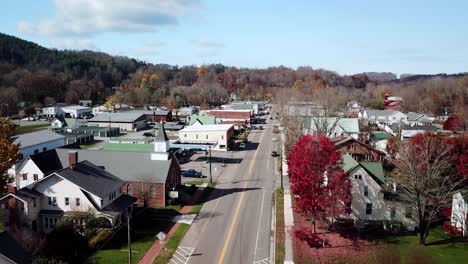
column 448, row 228
column 98, row 240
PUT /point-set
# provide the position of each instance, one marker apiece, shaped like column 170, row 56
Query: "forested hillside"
column 31, row 75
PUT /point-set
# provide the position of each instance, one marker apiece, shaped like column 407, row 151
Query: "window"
column 46, row 222
column 366, row 191
column 355, row 176
column 360, row 177
column 67, row 201
column 185, row 135
column 36, row 177
column 49, row 200
column 408, row 212
column 206, row 136
column 77, row 202
column 102, row 202
column 196, row 136
column 368, row 208
column 222, row 137
column 34, row 202
column 25, row 176
column 153, row 191
column 54, row 201
column 44, row 149
column 393, row 213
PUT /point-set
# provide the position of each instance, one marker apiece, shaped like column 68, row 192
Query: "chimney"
column 72, row 158
column 12, row 189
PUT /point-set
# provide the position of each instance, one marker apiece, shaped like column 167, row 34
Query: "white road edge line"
column 259, row 223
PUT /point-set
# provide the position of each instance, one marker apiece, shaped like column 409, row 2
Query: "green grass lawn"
column 196, row 182
column 280, row 232
column 440, row 248
column 203, row 197
column 129, row 147
column 171, row 246
column 146, row 224
column 31, row 128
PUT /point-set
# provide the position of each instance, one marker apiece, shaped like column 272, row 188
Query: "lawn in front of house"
column 441, row 247
column 146, row 224
column 31, row 128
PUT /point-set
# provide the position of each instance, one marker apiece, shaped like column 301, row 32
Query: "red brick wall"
column 159, row 118
column 230, row 114
column 142, row 190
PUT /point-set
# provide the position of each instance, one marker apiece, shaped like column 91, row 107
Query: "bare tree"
column 425, row 167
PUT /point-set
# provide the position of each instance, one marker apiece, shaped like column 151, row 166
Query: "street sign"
column 161, row 236
column 174, row 194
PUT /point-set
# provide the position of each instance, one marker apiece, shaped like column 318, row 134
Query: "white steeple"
column 161, row 145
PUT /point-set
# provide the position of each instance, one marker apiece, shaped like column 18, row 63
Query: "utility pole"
column 129, row 212
column 110, row 134
column 211, row 176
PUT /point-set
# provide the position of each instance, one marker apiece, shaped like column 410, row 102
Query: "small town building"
column 77, row 111
column 384, row 117
column 304, row 108
column 358, row 150
column 417, row 119
column 97, row 132
column 459, row 216
column 76, row 138
column 80, row 187
column 87, row 103
column 337, row 127
column 128, row 121
column 202, row 119
column 408, row 131
column 156, row 115
column 217, row 135
column 187, row 111
column 38, row 141
column 230, row 116
column 372, row 198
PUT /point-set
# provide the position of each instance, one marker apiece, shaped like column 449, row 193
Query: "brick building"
column 231, row 116
column 358, row 150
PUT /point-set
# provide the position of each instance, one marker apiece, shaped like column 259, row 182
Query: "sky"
column 411, row 36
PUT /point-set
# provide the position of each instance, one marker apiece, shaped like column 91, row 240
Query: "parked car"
column 260, row 127
column 148, row 134
column 242, row 146
column 274, row 154
column 191, row 173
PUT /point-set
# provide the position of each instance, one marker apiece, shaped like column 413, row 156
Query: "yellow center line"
column 239, row 204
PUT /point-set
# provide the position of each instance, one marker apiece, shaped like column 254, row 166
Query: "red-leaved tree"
column 321, row 188
column 454, row 123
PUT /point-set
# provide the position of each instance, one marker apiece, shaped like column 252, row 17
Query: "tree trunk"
column 423, row 232
column 313, row 227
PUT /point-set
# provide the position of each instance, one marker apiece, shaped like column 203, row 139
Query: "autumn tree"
column 8, row 152
column 454, row 123
column 425, row 166
column 317, row 179
column 111, row 102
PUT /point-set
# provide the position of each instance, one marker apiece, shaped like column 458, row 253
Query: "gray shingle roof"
column 128, row 166
column 123, row 117
column 35, row 138
column 91, row 178
column 381, row 112
column 12, row 250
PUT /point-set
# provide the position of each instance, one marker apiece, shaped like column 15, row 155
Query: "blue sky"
column 345, row 36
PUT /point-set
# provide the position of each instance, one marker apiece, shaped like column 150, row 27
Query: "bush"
column 99, row 239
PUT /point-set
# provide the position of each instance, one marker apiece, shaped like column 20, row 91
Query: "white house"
column 459, row 217
column 81, row 187
column 52, row 111
column 371, row 199
column 408, row 131
column 384, row 117
column 129, row 121
column 219, row 135
column 342, row 126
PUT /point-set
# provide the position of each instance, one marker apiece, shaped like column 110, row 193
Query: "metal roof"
column 349, row 125
column 378, row 113
column 35, row 138
column 120, row 117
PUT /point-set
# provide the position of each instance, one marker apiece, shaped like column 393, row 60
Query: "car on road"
column 148, row 134
column 274, row 154
column 260, row 127
column 191, row 173
column 242, row 146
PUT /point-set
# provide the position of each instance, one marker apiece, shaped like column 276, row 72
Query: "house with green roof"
column 202, row 120
column 370, row 199
column 336, row 127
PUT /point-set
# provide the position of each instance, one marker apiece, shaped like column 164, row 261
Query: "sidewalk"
column 288, row 211
column 157, row 246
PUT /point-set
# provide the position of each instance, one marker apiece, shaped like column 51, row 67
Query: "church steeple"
column 161, row 145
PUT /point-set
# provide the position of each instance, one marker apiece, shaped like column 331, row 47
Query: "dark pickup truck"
column 191, row 173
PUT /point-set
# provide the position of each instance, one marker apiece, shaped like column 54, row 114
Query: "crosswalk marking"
column 182, row 255
column 263, row 261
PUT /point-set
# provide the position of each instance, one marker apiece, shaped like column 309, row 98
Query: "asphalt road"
column 234, row 226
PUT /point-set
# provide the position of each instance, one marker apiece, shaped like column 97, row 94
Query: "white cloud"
column 207, row 43
column 80, row 18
